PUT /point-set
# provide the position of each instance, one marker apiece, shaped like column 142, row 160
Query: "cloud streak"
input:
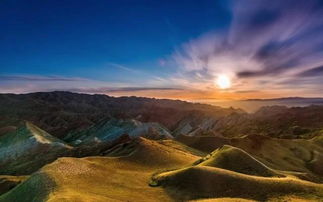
column 38, row 78
column 119, row 90
column 37, row 83
column 314, row 72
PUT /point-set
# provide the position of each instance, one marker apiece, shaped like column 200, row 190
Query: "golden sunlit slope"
column 232, row 172
column 196, row 182
column 235, row 159
column 223, row 199
column 181, row 147
column 298, row 156
column 175, row 172
column 105, row 178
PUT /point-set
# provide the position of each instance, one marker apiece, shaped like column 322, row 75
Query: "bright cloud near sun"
column 275, row 50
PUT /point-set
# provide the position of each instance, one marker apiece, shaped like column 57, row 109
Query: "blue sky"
column 169, row 48
column 82, row 38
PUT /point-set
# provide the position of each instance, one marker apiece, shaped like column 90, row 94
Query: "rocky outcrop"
column 110, row 130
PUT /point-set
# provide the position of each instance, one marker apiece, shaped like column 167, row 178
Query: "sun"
column 223, row 82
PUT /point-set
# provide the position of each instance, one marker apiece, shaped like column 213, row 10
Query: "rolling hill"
column 146, row 170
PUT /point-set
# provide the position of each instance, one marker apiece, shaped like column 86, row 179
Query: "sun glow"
column 223, row 82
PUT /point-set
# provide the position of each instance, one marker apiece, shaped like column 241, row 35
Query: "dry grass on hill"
column 174, row 172
column 106, row 178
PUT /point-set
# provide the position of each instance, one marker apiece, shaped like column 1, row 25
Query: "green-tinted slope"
column 35, row 189
column 28, row 148
column 8, row 182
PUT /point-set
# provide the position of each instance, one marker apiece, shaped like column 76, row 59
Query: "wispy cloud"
column 119, row 90
column 38, row 78
column 37, row 83
column 265, row 45
column 314, row 72
column 122, row 67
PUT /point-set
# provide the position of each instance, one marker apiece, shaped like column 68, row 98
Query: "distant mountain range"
column 291, row 99
column 69, row 115
column 252, row 105
column 62, row 112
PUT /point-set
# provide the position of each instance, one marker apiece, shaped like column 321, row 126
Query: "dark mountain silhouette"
column 61, row 112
